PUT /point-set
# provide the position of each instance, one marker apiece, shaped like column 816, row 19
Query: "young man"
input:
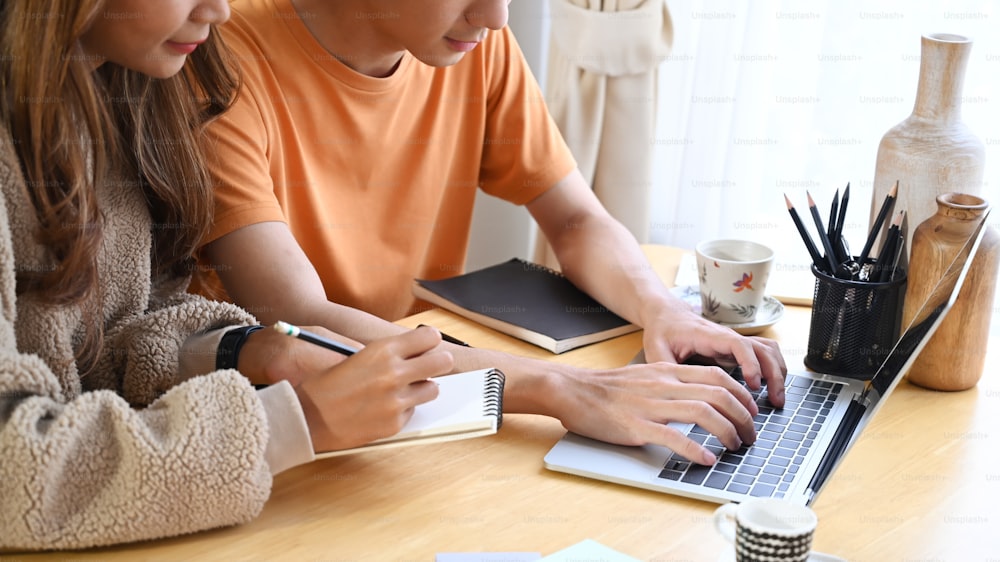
column 349, row 167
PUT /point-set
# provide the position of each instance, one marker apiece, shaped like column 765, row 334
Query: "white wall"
column 500, row 230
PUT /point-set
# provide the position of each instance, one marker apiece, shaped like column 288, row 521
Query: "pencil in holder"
column 854, row 324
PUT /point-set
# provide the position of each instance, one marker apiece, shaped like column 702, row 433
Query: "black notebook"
column 468, row 404
column 526, row 301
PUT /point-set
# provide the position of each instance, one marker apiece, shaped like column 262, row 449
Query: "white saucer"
column 770, row 311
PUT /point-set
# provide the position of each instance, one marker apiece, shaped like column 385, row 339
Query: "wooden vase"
column 931, row 152
column 955, row 356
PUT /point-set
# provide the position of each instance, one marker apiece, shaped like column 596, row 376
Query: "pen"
column 888, row 251
column 822, row 234
column 898, row 250
column 447, row 338
column 296, row 332
column 813, row 252
column 877, row 225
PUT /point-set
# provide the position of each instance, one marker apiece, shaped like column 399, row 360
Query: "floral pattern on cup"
column 710, row 307
column 748, row 311
column 744, row 283
column 709, row 304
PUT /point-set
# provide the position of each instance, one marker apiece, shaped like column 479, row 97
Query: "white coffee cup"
column 767, row 529
column 732, row 275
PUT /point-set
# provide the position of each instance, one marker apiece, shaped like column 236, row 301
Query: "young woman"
column 119, row 408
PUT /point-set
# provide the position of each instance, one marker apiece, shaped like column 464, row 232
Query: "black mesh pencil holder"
column 854, row 324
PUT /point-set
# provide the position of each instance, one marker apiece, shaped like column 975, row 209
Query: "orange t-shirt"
column 376, row 177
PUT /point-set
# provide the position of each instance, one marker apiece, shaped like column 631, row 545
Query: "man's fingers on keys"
column 717, row 378
column 747, row 353
column 773, row 370
column 679, row 443
column 732, row 435
column 716, row 410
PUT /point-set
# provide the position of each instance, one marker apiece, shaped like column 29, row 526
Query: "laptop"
column 798, row 447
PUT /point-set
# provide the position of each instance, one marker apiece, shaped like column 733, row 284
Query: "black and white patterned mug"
column 767, row 530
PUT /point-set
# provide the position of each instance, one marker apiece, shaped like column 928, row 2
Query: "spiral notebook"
column 527, row 301
column 468, row 404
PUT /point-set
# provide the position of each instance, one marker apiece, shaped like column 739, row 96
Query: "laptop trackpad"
column 581, row 455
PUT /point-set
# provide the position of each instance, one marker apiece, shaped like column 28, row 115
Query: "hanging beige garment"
column 601, row 91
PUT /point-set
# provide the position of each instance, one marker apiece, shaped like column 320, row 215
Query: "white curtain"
column 601, row 89
column 787, row 96
column 757, row 100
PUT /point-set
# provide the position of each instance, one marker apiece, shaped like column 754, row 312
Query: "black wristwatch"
column 228, row 354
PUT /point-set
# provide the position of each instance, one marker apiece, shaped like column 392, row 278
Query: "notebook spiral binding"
column 538, row 267
column 493, row 395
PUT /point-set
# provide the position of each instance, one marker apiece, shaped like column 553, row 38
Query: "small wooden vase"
column 932, row 151
column 955, row 356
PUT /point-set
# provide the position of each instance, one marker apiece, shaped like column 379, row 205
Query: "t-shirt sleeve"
column 239, row 147
column 524, row 153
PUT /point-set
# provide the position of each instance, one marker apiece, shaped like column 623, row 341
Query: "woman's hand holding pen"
column 373, row 393
column 268, row 357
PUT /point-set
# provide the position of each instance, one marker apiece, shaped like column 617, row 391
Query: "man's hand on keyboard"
column 632, row 405
column 676, row 335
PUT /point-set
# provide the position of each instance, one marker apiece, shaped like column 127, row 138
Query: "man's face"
column 437, row 32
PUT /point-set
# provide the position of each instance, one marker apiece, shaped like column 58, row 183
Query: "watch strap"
column 228, row 353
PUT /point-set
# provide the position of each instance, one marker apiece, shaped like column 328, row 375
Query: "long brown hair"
column 73, row 125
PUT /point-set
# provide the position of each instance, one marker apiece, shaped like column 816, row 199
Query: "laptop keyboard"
column 766, row 468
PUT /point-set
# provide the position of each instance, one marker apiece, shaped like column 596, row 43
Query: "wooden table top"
column 915, row 486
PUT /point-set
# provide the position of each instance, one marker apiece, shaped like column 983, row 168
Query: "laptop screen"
column 933, row 309
column 903, row 354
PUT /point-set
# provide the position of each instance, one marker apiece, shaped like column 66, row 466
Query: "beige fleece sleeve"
column 289, row 444
column 197, row 353
column 148, row 348
column 94, row 471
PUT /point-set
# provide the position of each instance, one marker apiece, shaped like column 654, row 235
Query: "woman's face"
column 153, row 37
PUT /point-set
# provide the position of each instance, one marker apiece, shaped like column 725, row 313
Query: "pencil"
column 822, row 234
column 813, row 252
column 838, row 241
column 831, row 227
column 296, row 332
column 447, row 338
column 877, row 225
